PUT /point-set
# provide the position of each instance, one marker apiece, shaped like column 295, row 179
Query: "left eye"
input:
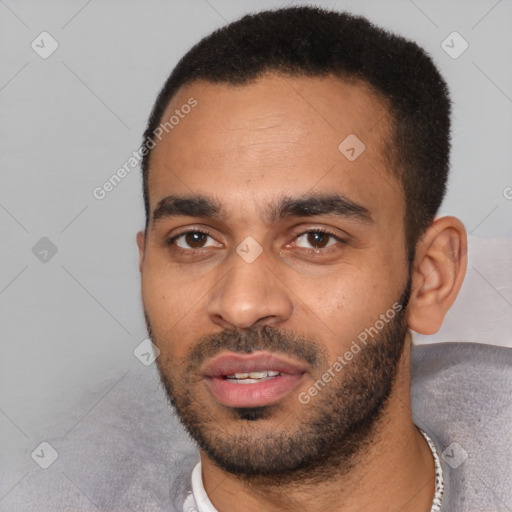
column 316, row 239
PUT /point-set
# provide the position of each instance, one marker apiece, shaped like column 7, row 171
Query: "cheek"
column 168, row 290
column 172, row 303
column 336, row 309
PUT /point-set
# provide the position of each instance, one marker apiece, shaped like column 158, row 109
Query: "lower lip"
column 258, row 394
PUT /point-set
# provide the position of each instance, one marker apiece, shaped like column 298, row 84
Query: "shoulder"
column 461, row 374
column 465, row 384
column 462, row 395
column 472, row 354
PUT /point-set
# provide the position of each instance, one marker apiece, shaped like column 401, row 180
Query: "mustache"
column 245, row 341
column 252, row 339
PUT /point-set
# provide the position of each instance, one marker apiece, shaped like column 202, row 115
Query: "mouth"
column 251, row 380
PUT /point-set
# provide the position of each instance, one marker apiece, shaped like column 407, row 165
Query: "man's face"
column 272, row 269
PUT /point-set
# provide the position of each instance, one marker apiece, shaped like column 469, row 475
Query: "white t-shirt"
column 197, row 500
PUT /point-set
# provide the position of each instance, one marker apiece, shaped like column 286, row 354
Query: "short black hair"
column 311, row 41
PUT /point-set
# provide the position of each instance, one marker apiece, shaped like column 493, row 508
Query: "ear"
column 438, row 272
column 141, row 244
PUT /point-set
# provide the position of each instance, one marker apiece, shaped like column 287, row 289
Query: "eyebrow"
column 305, row 206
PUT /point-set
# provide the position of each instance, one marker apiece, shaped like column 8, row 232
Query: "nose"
column 251, row 294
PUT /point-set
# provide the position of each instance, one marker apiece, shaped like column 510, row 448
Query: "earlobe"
column 141, row 244
column 439, row 268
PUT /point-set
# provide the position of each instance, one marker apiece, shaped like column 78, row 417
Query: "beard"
column 282, row 443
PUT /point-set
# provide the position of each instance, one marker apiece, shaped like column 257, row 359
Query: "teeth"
column 245, row 381
column 260, row 374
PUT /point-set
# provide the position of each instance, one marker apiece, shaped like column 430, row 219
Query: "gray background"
column 71, row 322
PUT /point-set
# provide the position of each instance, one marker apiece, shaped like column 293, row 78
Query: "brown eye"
column 193, row 240
column 316, row 240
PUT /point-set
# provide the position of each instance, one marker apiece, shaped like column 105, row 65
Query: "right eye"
column 190, row 240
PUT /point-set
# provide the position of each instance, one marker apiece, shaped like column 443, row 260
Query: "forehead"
column 278, row 134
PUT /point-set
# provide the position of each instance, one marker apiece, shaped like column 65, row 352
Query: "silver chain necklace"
column 438, row 494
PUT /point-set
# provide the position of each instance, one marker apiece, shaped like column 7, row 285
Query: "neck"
column 394, row 471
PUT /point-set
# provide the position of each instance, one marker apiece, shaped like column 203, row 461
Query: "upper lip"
column 231, row 363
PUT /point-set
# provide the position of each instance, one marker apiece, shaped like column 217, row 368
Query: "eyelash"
column 171, row 240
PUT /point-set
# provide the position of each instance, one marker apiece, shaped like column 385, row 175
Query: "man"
column 294, row 164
